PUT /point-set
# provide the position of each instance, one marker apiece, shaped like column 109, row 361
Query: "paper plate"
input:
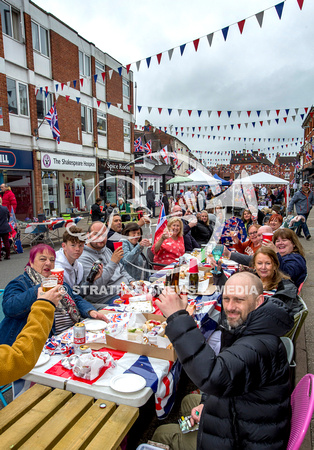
column 44, row 357
column 95, row 325
column 127, row 382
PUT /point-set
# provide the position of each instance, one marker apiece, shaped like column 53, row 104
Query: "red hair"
column 40, row 248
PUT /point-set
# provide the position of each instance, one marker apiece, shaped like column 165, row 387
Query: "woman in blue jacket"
column 133, row 260
column 20, row 294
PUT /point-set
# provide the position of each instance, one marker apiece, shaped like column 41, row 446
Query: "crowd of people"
column 244, row 379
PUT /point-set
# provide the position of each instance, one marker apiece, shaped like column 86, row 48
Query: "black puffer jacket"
column 247, row 383
column 202, row 233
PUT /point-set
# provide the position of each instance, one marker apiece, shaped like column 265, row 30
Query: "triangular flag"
column 138, row 63
column 139, row 108
column 110, row 73
column 248, row 113
column 277, row 111
column 196, row 42
column 199, row 112
column 148, row 60
column 210, row 38
column 57, row 87
column 103, row 74
column 57, row 96
column 179, row 112
column 182, row 48
column 120, row 71
column 68, row 83
column 95, row 77
column 78, row 99
column 189, row 112
column 279, row 9
column 128, row 66
column 74, row 83
column 219, row 113
column 300, row 3
column 169, row 111
column 261, row 122
column 285, row 119
column 98, row 103
column 229, row 113
column 129, row 108
column 82, row 81
column 259, row 16
column 67, row 98
column 209, row 113
column 119, row 105
column 225, row 32
column 108, row 104
column 159, row 110
column 149, row 108
column 170, row 52
column 241, row 25
column 159, row 57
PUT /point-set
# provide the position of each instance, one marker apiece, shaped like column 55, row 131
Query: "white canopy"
column 261, row 178
column 200, row 178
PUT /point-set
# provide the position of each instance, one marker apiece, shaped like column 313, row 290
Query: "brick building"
column 43, row 61
column 251, row 162
column 284, row 167
column 306, row 169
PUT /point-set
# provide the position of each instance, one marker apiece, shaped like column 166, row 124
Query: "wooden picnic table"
column 43, row 418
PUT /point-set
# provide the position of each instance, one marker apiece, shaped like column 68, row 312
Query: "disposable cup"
column 267, row 236
column 59, row 273
column 117, row 245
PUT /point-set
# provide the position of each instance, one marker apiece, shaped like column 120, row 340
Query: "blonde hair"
column 277, row 275
column 204, row 211
column 173, row 220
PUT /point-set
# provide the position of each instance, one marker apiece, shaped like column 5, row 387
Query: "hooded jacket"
column 73, row 275
column 113, row 274
column 247, row 383
column 9, row 200
column 303, row 203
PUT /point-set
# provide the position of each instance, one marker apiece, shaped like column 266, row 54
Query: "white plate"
column 127, row 382
column 95, row 325
column 44, row 357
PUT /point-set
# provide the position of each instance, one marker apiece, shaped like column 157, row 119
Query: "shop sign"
column 16, row 159
column 115, row 167
column 56, row 161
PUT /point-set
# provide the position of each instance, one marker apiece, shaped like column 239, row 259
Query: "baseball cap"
column 305, row 182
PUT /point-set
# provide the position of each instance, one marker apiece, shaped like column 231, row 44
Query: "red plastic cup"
column 59, row 273
column 117, row 245
column 267, row 236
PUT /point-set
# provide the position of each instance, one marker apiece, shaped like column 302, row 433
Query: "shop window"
column 126, row 131
column 99, row 69
column 126, row 88
column 43, row 104
column 10, row 20
column 40, row 39
column 84, row 64
column 101, row 123
column 86, row 119
column 17, row 97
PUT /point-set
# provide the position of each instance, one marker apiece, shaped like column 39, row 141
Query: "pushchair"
column 293, row 222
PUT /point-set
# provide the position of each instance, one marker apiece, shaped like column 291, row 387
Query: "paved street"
column 305, row 345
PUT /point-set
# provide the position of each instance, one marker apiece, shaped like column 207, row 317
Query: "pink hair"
column 39, row 248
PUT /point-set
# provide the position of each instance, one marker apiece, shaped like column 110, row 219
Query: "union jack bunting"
column 307, row 156
column 52, row 119
column 148, row 148
column 164, row 154
column 138, row 147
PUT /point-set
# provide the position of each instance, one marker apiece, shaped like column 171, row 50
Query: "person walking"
column 8, row 198
column 150, row 199
column 303, row 200
column 4, row 230
column 165, row 201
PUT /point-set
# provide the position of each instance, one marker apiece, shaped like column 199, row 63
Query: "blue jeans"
column 304, row 226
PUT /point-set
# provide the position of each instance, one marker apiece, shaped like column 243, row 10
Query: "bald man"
column 246, row 386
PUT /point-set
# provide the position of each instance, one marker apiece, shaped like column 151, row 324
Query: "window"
column 84, row 64
column 126, row 131
column 40, row 39
column 43, row 104
column 86, row 119
column 125, row 88
column 101, row 123
column 17, row 97
column 10, row 20
column 99, row 69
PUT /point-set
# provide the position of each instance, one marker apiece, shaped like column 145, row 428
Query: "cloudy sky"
column 266, row 68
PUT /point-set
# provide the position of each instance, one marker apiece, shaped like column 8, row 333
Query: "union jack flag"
column 148, row 148
column 307, row 156
column 52, row 119
column 164, row 154
column 175, row 158
column 297, row 165
column 138, row 147
column 161, row 224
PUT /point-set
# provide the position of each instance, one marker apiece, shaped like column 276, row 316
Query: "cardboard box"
column 139, row 349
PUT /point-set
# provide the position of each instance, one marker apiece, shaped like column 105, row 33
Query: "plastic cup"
column 268, row 237
column 117, row 245
column 49, row 283
column 59, row 273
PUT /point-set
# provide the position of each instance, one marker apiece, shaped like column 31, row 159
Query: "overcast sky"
column 265, row 68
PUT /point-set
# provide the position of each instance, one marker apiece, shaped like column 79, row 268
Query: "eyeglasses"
column 253, row 233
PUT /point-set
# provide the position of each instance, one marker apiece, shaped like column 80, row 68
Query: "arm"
column 19, row 359
column 128, row 254
column 241, row 258
column 293, row 265
column 18, row 298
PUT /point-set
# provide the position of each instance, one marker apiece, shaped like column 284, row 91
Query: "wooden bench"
column 43, row 418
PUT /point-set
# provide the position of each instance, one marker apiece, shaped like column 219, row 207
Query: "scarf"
column 66, row 305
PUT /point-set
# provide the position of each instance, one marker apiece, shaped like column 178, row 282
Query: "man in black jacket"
column 4, row 229
column 246, row 385
column 150, row 200
column 97, row 214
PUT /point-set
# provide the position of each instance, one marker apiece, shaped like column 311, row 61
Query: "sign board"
column 114, row 167
column 16, row 159
column 56, row 161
